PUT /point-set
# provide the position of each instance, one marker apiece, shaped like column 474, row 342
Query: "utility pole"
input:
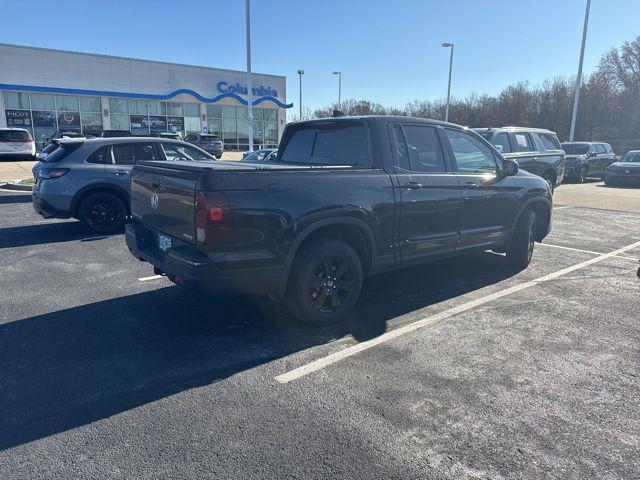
column 446, row 112
column 339, row 88
column 249, row 82
column 300, row 73
column 576, row 96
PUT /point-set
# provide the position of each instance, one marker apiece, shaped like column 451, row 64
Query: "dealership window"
column 191, row 109
column 43, row 101
column 192, row 125
column 120, row 122
column 157, row 108
column 89, row 104
column 215, row 126
column 174, row 109
column 16, row 100
column 229, row 132
column 228, row 112
column 118, row 105
column 138, row 107
column 67, row 103
column 214, row 111
column 91, row 123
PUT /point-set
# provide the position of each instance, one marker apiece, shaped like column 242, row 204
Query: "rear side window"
column 14, row 135
column 130, row 153
column 101, row 155
column 331, row 143
column 502, row 139
column 425, row 154
column 600, row 148
column 522, row 142
column 550, row 141
column 60, row 153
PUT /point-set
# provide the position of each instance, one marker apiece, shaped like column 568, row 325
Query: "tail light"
column 48, row 173
column 210, row 210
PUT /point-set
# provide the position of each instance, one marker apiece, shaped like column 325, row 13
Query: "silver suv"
column 88, row 179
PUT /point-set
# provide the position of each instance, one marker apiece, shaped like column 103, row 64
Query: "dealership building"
column 46, row 90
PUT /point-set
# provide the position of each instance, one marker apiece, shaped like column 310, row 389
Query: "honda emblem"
column 154, row 201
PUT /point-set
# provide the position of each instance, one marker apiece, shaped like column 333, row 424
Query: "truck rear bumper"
column 188, row 267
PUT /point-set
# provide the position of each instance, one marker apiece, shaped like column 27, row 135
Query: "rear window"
column 575, row 148
column 61, row 152
column 632, row 157
column 14, row 135
column 550, row 141
column 327, row 143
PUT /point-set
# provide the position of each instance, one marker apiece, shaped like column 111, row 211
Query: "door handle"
column 412, row 185
column 121, row 172
column 470, row 185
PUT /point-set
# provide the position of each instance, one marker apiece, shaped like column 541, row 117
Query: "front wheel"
column 520, row 249
column 582, row 174
column 103, row 212
column 219, row 156
column 325, row 283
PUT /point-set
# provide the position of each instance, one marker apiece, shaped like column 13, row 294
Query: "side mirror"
column 510, row 167
column 499, row 148
column 591, row 154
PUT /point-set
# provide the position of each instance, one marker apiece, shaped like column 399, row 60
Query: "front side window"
column 327, row 143
column 177, row 152
column 632, row 157
column 130, row 153
column 522, row 142
column 503, row 140
column 471, row 155
column 600, row 148
column 425, row 154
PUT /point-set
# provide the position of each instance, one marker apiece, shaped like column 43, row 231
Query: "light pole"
column 446, row 112
column 339, row 88
column 300, row 73
column 576, row 96
column 249, row 82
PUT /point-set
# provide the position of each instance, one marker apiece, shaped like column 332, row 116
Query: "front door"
column 429, row 196
column 490, row 204
column 525, row 152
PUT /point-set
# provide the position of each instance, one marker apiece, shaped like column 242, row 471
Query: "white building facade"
column 46, row 90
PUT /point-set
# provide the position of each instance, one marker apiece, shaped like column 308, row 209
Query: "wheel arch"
column 352, row 231
column 542, row 208
column 87, row 190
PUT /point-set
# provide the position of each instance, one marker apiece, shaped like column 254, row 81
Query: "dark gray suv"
column 209, row 143
column 89, row 179
column 587, row 160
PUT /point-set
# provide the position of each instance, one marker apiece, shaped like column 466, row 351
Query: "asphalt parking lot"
column 459, row 369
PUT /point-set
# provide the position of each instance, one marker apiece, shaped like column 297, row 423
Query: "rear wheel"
column 325, row 283
column 520, row 249
column 103, row 212
column 219, row 156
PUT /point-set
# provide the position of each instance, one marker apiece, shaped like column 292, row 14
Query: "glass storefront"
column 44, row 114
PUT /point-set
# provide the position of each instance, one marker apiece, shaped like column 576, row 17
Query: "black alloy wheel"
column 103, row 213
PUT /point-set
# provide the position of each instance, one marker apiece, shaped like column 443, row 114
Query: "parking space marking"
column 338, row 356
column 585, row 251
column 562, row 207
column 152, row 277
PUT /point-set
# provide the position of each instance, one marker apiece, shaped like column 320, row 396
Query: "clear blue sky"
column 388, row 51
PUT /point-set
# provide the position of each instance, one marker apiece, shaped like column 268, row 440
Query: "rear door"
column 125, row 155
column 428, row 193
column 489, row 202
column 602, row 158
column 525, row 152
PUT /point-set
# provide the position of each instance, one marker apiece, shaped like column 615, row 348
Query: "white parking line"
column 562, row 207
column 335, row 357
column 152, row 277
column 585, row 251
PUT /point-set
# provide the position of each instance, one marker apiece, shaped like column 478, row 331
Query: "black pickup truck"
column 347, row 197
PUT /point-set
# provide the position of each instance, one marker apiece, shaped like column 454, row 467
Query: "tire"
column 550, row 181
column 581, row 176
column 521, row 246
column 219, row 156
column 103, row 213
column 325, row 282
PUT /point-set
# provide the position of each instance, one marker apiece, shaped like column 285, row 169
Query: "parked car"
column 263, row 155
column 115, row 133
column 16, row 143
column 587, row 160
column 536, row 150
column 171, row 135
column 626, row 171
column 88, row 179
column 347, row 197
column 209, row 143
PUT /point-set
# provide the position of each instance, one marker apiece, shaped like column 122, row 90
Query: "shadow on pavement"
column 68, row 368
column 15, row 198
column 55, row 232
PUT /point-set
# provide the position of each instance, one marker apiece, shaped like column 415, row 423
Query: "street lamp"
column 249, row 82
column 300, row 72
column 446, row 112
column 576, row 96
column 339, row 88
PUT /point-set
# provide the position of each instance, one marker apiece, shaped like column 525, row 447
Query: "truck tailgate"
column 163, row 198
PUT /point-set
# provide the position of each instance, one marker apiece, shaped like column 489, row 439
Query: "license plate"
column 164, row 242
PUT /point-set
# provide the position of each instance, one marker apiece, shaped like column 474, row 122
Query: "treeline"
column 609, row 108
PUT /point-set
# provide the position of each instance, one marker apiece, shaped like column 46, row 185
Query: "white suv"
column 16, row 142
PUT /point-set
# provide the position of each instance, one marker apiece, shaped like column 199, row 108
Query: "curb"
column 14, row 186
